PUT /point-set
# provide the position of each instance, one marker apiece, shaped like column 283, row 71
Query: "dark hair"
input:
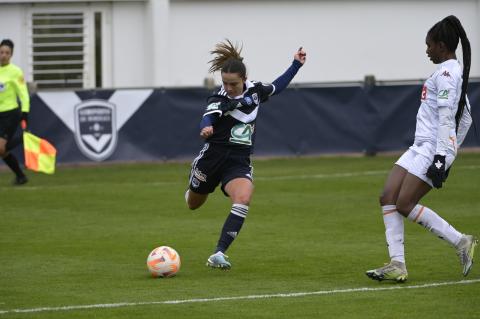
column 449, row 31
column 8, row 43
column 228, row 59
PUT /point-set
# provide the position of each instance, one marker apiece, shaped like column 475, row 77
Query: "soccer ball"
column 163, row 261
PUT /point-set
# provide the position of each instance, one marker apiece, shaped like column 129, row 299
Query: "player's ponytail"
column 227, row 59
column 467, row 57
column 450, row 31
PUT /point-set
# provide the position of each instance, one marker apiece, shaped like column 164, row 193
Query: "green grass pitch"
column 81, row 238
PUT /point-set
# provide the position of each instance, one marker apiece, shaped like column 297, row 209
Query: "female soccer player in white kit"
column 443, row 120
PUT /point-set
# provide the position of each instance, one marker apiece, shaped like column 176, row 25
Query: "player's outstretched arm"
column 283, row 80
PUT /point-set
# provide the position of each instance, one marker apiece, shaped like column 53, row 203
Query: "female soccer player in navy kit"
column 443, row 120
column 228, row 127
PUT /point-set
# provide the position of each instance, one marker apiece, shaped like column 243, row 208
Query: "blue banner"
column 163, row 124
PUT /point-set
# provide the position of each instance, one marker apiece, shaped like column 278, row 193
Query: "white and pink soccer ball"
column 164, row 262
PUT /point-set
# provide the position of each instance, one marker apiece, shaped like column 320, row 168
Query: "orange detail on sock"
column 419, row 213
column 388, row 212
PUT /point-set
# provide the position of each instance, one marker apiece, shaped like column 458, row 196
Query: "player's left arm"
column 465, row 122
column 277, row 86
column 280, row 83
column 446, row 96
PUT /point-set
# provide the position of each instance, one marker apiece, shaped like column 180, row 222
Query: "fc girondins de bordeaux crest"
column 95, row 122
column 95, row 128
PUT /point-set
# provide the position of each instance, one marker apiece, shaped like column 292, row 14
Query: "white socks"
column 394, row 232
column 430, row 220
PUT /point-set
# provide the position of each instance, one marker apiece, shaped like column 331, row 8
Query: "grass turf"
column 81, row 237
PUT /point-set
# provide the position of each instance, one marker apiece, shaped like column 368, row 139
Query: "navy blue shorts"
column 219, row 164
column 9, row 122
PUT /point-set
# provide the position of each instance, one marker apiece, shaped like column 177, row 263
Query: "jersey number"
column 242, row 134
column 424, row 92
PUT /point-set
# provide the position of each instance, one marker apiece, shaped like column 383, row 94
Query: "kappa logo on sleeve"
column 443, row 94
column 446, row 73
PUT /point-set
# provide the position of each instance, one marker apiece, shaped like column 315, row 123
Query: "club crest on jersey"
column 95, row 128
column 255, row 98
column 443, row 94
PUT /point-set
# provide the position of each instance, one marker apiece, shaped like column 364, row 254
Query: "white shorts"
column 417, row 164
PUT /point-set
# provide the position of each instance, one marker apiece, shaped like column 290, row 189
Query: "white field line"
column 346, row 174
column 247, row 297
column 259, row 178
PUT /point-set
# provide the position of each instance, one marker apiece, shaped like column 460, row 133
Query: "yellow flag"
column 39, row 154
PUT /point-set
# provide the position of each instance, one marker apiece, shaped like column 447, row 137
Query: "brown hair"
column 228, row 59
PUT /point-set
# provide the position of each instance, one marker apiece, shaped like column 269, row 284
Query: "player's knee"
column 404, row 207
column 194, row 200
column 243, row 199
column 386, row 199
column 193, row 206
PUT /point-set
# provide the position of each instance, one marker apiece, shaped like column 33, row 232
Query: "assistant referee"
column 12, row 90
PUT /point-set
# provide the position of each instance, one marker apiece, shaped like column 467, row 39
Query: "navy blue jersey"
column 236, row 128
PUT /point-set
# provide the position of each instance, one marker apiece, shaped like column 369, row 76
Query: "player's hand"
column 206, row 132
column 436, row 171
column 24, row 120
column 300, row 55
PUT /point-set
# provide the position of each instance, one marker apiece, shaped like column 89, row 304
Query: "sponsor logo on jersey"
column 248, row 100
column 242, row 134
column 424, row 93
column 446, row 73
column 198, row 174
column 95, row 128
column 443, row 94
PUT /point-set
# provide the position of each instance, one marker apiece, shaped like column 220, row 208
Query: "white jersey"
column 435, row 131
